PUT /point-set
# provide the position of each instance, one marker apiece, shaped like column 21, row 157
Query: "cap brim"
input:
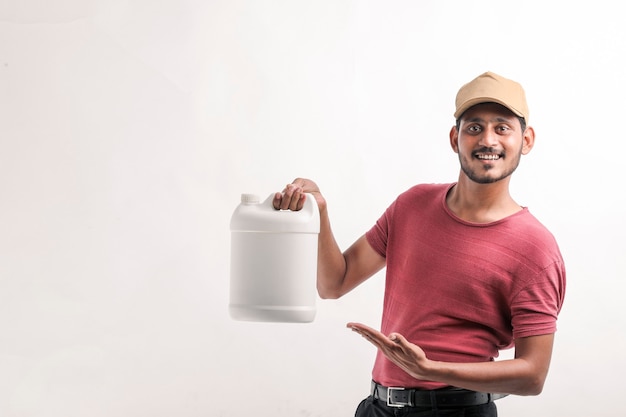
column 480, row 100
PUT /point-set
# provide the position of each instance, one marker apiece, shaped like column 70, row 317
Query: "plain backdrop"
column 129, row 129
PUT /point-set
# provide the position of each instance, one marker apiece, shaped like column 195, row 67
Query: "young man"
column 469, row 272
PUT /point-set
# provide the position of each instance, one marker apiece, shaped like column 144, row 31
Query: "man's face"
column 490, row 143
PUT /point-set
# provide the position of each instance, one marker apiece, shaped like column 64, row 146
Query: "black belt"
column 444, row 398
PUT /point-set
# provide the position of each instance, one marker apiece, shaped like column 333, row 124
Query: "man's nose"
column 489, row 138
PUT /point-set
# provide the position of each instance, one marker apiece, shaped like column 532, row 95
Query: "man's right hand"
column 293, row 196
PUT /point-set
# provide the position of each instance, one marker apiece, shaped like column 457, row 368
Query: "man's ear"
column 454, row 139
column 529, row 140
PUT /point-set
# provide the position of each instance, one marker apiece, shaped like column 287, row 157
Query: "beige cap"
column 492, row 88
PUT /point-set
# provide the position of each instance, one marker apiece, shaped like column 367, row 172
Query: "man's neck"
column 481, row 203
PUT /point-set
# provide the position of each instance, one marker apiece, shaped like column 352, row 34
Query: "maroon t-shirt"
column 462, row 291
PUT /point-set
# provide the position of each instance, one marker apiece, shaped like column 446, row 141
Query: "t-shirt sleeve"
column 378, row 235
column 535, row 308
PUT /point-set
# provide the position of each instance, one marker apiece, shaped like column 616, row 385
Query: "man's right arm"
column 337, row 272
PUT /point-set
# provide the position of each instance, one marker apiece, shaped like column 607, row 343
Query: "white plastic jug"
column 273, row 264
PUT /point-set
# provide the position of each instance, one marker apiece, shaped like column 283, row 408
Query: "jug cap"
column 250, row 199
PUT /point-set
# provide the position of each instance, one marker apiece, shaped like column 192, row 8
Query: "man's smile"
column 487, row 156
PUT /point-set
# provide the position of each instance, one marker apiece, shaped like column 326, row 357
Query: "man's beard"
column 482, row 177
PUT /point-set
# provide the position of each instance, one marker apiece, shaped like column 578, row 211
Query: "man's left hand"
column 408, row 356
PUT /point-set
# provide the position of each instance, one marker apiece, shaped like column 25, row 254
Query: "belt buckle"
column 397, row 404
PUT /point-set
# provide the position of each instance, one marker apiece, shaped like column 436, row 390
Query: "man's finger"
column 278, row 197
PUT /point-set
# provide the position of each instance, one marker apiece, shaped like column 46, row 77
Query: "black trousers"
column 371, row 407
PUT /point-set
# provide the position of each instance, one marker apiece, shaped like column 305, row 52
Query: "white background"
column 129, row 129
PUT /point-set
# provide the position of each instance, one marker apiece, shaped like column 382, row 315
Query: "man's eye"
column 474, row 129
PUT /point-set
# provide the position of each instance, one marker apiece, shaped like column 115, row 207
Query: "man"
column 469, row 272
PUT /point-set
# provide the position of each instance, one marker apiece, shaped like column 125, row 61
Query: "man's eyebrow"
column 499, row 119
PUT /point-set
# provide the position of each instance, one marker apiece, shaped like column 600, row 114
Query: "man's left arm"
column 525, row 374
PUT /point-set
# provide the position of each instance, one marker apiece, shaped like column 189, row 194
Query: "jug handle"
column 309, row 207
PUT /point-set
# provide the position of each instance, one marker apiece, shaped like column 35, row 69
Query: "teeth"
column 490, row 157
